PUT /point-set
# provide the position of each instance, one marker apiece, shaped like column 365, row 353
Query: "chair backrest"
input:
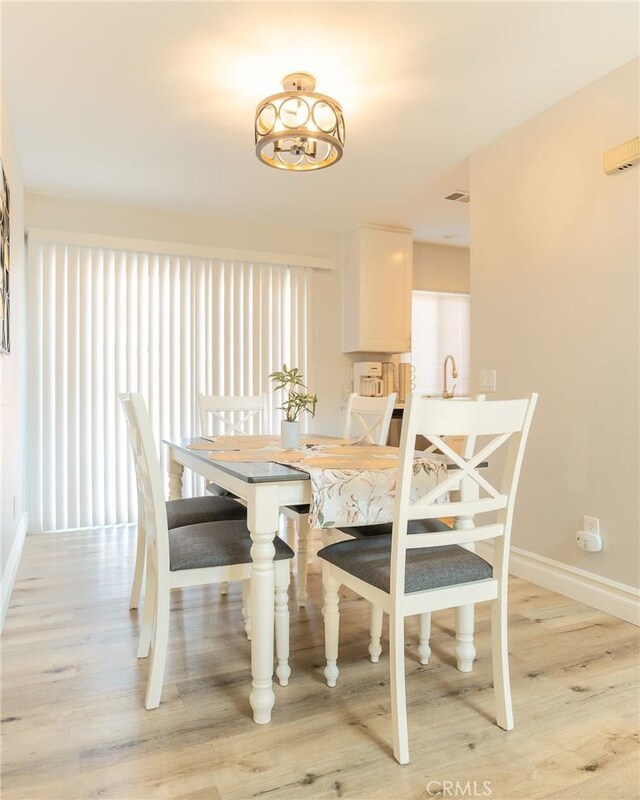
column 134, row 446
column 469, row 442
column 148, row 476
column 487, row 428
column 231, row 415
column 367, row 419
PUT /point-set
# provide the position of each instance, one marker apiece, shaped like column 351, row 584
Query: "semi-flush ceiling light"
column 299, row 129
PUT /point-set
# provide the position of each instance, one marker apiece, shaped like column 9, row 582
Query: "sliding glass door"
column 104, row 321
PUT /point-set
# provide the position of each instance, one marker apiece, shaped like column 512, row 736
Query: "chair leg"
column 465, row 651
column 325, row 538
column 302, row 557
column 283, row 670
column 224, row 587
column 148, row 611
column 328, row 536
column 375, row 633
column 138, row 570
column 246, row 606
column 290, row 536
column 158, row 650
column 398, row 689
column 331, row 623
column 424, row 650
column 500, row 659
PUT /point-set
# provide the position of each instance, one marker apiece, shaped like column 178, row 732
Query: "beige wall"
column 13, row 366
column 438, row 268
column 555, row 309
column 329, row 370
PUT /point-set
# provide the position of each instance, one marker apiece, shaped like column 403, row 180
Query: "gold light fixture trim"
column 299, row 130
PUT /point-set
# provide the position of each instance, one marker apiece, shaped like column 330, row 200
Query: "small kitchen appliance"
column 367, row 378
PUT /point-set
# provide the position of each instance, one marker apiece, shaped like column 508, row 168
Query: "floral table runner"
column 351, row 484
column 353, row 491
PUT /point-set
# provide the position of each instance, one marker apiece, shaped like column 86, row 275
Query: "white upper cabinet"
column 377, row 283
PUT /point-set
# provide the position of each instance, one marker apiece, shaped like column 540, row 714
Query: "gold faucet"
column 446, row 394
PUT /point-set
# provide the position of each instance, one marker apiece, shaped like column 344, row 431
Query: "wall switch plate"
column 488, row 380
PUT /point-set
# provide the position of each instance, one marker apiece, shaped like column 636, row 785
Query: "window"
column 106, row 320
column 440, row 327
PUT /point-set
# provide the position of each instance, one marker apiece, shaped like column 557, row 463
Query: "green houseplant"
column 295, row 401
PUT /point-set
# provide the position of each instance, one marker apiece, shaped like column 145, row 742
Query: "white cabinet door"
column 377, row 292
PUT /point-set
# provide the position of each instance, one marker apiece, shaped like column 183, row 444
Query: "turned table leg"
column 263, row 518
column 465, row 649
column 176, row 471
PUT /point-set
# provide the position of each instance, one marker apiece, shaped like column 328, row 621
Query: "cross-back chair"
column 228, row 415
column 465, row 651
column 186, row 511
column 231, row 415
column 409, row 574
column 366, row 420
column 190, row 555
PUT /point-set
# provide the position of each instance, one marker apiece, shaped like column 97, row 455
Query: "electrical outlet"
column 591, row 524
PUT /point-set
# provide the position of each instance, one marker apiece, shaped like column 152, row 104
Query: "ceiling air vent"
column 458, row 197
column 622, row 157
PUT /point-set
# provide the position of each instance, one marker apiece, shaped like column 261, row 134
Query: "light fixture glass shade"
column 299, row 129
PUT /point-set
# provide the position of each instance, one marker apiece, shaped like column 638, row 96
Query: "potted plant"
column 295, row 401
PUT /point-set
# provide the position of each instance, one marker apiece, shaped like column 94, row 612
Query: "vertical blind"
column 440, row 327
column 105, row 321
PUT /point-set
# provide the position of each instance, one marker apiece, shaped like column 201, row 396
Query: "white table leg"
column 263, row 518
column 465, row 649
column 302, row 557
column 176, row 471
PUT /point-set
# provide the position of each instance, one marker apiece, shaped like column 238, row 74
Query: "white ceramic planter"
column 290, row 435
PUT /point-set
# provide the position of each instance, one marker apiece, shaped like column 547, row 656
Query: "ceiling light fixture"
column 299, row 129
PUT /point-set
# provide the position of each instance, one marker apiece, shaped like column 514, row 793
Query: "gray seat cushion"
column 215, row 544
column 414, row 526
column 426, row 568
column 194, row 510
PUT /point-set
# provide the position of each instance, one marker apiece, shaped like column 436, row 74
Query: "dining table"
column 266, row 479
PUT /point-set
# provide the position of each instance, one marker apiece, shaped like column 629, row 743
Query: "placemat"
column 259, row 442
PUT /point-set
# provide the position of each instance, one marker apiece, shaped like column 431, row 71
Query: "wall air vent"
column 458, row 197
column 622, row 157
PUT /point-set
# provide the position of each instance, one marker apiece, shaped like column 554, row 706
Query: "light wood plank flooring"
column 74, row 725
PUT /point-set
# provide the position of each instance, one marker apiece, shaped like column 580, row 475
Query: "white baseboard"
column 614, row 598
column 11, row 568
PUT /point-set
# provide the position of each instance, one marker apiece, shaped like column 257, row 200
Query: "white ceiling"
column 152, row 104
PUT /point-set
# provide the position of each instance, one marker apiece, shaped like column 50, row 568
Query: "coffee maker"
column 367, row 379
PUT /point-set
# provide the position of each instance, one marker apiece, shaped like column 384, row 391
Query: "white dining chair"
column 465, row 650
column 192, row 555
column 186, row 511
column 408, row 574
column 366, row 421
column 226, row 415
